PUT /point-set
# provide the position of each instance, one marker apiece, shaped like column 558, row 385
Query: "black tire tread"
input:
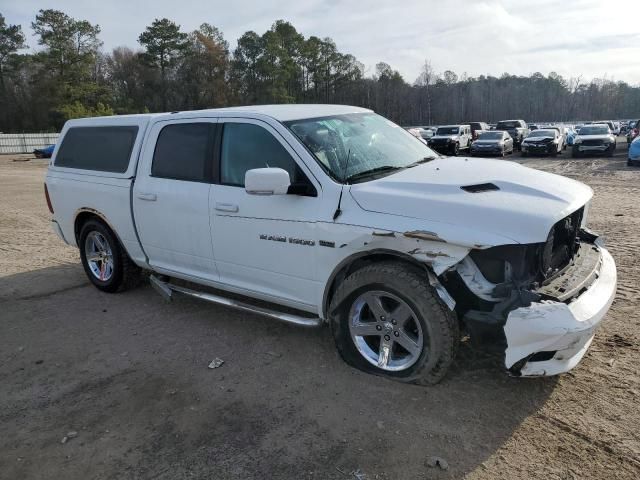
column 417, row 286
column 130, row 274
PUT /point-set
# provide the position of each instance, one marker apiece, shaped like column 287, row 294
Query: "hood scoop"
column 480, row 187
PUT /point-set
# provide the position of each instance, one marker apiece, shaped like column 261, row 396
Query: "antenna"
column 338, row 212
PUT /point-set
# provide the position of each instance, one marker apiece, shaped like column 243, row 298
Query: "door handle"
column 149, row 197
column 226, row 207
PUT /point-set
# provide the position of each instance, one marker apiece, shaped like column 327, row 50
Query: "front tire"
column 388, row 320
column 456, row 149
column 105, row 262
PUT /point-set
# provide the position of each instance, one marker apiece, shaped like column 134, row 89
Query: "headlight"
column 577, row 140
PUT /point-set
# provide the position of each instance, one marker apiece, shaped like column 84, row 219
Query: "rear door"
column 171, row 197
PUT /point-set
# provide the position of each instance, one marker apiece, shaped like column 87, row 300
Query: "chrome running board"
column 166, row 289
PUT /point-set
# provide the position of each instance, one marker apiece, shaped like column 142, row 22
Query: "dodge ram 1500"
column 317, row 214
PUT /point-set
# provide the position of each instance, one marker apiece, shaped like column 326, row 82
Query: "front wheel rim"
column 386, row 331
column 99, row 256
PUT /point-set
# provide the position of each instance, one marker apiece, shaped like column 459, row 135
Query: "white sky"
column 592, row 38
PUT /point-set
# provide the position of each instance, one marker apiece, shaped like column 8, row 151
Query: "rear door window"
column 184, row 151
column 104, row 149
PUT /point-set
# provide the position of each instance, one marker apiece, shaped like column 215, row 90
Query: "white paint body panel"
column 525, row 208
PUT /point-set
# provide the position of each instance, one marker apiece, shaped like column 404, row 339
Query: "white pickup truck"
column 325, row 213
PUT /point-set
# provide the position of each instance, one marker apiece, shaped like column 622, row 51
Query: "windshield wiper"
column 373, row 171
column 421, row 161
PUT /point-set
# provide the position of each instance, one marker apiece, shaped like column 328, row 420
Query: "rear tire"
column 105, row 262
column 432, row 326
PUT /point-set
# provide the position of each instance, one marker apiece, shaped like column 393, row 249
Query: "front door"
column 263, row 244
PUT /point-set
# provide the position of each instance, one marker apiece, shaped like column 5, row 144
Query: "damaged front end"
column 540, row 303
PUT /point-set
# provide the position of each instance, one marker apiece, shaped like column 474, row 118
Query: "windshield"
column 448, row 131
column 542, row 133
column 594, row 130
column 508, row 125
column 490, row 136
column 370, row 142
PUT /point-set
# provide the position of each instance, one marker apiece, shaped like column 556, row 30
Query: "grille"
column 592, row 143
column 561, row 244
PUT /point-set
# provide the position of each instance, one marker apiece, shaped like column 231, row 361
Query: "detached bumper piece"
column 550, row 337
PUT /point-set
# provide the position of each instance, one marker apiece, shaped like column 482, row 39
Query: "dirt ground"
column 129, row 374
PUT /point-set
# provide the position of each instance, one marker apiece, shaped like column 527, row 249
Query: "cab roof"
column 282, row 113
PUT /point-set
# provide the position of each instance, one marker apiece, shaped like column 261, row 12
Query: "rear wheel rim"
column 385, row 331
column 99, row 256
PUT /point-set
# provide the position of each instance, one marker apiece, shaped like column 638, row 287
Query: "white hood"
column 528, row 203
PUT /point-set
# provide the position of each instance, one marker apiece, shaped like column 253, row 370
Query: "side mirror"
column 267, row 181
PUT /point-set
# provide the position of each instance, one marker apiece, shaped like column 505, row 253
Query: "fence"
column 25, row 142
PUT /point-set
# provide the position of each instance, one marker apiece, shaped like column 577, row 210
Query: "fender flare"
column 344, row 264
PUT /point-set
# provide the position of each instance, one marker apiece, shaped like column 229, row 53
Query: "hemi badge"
column 324, row 243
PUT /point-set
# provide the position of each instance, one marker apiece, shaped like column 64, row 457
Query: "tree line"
column 71, row 76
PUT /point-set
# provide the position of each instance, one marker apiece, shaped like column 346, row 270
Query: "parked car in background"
column 249, row 200
column 492, row 142
column 594, row 138
column 477, row 127
column 609, row 123
column 616, row 128
column 533, row 126
column 516, row 128
column 416, row 133
column 634, row 153
column 571, row 134
column 451, row 139
column 427, row 131
column 45, row 152
column 561, row 132
column 633, row 131
column 624, row 128
column 547, row 141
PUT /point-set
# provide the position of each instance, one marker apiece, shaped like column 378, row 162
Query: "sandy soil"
column 129, row 374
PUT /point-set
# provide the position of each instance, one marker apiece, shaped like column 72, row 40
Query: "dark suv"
column 517, row 129
column 477, row 127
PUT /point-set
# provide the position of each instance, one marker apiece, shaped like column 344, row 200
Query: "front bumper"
column 442, row 147
column 591, row 148
column 492, row 150
column 549, row 337
column 539, row 148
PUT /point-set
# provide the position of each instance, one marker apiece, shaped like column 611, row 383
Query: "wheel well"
column 353, row 263
column 83, row 217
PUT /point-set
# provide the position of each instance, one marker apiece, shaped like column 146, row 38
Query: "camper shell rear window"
column 105, row 149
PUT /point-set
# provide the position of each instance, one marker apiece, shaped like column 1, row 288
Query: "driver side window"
column 246, row 146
